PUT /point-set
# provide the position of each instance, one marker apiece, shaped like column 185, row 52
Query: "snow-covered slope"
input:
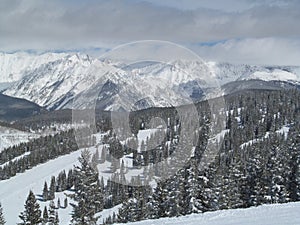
column 14, row 65
column 10, row 137
column 276, row 214
column 275, row 74
column 54, row 84
column 13, row 192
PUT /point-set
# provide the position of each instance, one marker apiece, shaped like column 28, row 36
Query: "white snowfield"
column 14, row 65
column 276, row 214
column 13, row 192
column 10, row 137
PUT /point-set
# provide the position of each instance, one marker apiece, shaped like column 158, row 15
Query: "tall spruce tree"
column 45, row 215
column 52, row 214
column 52, row 188
column 45, row 192
column 32, row 213
column 88, row 195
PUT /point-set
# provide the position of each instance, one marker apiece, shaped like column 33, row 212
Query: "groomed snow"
column 13, row 192
column 276, row 214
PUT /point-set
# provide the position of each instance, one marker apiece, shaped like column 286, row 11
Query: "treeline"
column 22, row 157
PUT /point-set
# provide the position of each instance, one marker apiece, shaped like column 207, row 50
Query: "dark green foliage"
column 32, row 213
column 40, row 151
column 88, row 196
column 45, row 215
column 53, row 215
column 61, row 182
column 45, row 192
column 52, row 189
column 2, row 219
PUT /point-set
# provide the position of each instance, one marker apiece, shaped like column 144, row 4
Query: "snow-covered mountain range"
column 52, row 80
column 13, row 66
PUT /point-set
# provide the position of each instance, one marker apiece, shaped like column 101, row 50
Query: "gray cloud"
column 48, row 25
column 263, row 51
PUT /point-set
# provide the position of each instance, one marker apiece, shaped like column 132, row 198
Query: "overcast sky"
column 239, row 31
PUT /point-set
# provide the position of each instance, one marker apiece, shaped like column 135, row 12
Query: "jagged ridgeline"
column 256, row 162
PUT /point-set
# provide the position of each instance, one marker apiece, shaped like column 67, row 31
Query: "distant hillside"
column 15, row 108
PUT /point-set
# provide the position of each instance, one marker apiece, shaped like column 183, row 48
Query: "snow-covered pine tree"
column 32, row 213
column 61, row 181
column 159, row 199
column 45, row 215
column 294, row 164
column 70, row 179
column 2, row 220
column 52, row 188
column 193, row 189
column 123, row 214
column 45, row 192
column 52, row 214
column 88, row 195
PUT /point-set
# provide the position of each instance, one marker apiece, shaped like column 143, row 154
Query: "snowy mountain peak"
column 276, row 74
column 52, row 80
column 14, row 65
column 79, row 58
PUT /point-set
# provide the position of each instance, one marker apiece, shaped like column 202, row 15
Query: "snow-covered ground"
column 13, row 192
column 277, row 214
column 10, row 137
column 274, row 75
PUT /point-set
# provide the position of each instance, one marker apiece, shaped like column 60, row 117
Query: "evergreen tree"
column 61, row 182
column 45, row 192
column 53, row 217
column 2, row 220
column 70, row 179
column 88, row 195
column 52, row 188
column 32, row 213
column 45, row 215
